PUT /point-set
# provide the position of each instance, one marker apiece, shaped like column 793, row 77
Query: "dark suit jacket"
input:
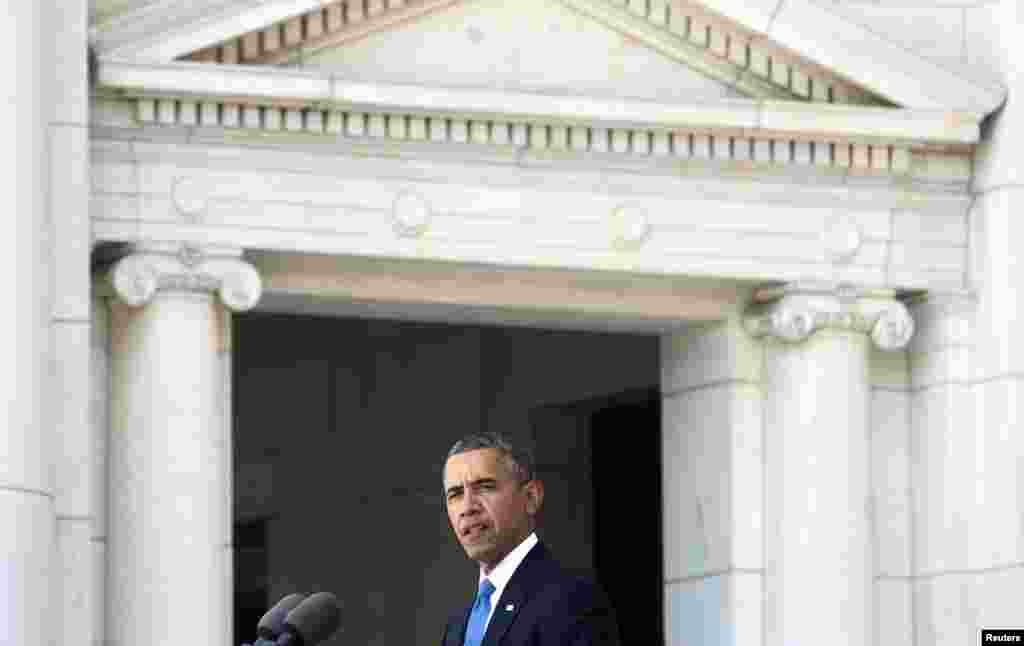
column 549, row 607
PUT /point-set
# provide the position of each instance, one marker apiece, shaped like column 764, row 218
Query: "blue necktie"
column 478, row 617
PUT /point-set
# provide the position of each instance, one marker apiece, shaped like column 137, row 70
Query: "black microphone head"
column 272, row 624
column 315, row 619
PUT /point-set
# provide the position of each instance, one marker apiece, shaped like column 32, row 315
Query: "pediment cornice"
column 319, row 90
column 740, row 39
column 756, row 135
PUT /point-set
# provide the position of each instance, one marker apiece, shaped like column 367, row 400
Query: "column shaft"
column 819, row 570
column 168, row 463
column 818, row 539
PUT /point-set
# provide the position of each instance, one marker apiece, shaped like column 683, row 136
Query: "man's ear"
column 534, row 496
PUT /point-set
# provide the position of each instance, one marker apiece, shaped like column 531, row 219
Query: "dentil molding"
column 794, row 312
column 137, row 278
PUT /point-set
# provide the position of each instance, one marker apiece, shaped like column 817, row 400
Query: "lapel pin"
column 509, row 608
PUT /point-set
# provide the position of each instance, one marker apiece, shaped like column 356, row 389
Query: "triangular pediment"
column 797, row 49
column 668, row 52
column 530, row 45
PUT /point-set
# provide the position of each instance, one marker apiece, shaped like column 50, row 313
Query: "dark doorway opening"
column 250, row 582
column 626, row 447
column 619, row 501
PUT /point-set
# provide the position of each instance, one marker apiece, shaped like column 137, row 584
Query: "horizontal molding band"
column 682, row 144
column 289, row 88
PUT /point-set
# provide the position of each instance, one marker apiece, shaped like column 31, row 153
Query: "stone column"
column 168, row 562
column 818, row 556
column 27, row 510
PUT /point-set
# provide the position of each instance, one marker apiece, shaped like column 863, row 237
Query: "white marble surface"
column 994, row 46
column 480, row 44
column 951, row 609
column 711, row 442
column 997, row 506
column 167, row 465
column 98, row 591
column 69, row 209
column 891, row 482
column 894, row 615
column 69, row 41
column 75, row 582
column 99, row 425
column 24, row 450
column 708, row 354
column 943, row 445
column 27, row 570
column 818, row 544
column 944, row 321
column 27, row 447
column 73, row 475
column 933, row 31
column 723, row 610
column 938, row 367
column 99, row 413
column 996, row 263
column 509, row 215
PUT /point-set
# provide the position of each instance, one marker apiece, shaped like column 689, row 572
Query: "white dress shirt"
column 503, row 571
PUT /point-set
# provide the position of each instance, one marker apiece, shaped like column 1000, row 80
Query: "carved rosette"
column 412, row 214
column 191, row 197
column 630, row 226
column 138, row 277
column 794, row 313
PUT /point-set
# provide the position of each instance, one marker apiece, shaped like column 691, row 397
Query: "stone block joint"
column 793, row 313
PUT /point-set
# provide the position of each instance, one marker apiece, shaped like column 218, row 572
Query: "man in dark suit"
column 524, row 597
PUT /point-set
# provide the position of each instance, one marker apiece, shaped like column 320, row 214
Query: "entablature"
column 825, row 136
column 527, row 210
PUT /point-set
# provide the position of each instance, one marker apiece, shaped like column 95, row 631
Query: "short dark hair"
column 519, row 458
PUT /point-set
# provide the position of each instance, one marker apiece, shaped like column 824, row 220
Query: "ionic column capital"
column 794, row 312
column 138, row 276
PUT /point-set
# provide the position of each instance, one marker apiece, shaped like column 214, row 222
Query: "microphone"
column 272, row 623
column 312, row 621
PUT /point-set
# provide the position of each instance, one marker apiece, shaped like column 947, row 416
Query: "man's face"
column 490, row 510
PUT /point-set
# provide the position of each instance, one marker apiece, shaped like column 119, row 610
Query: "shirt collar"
column 500, row 575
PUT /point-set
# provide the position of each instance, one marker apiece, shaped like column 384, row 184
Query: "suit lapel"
column 516, row 594
column 511, row 601
column 457, row 636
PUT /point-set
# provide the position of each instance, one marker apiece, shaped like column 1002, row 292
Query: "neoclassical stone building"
column 814, row 204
